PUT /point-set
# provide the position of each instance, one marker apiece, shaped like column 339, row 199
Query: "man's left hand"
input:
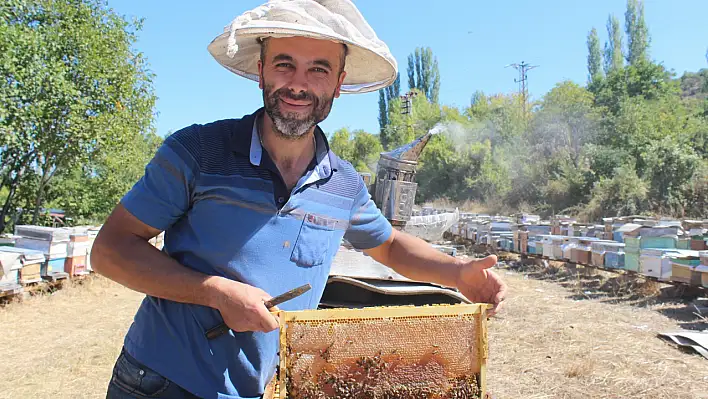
column 481, row 285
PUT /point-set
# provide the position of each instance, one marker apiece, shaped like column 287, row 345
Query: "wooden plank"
column 483, row 351
column 384, row 312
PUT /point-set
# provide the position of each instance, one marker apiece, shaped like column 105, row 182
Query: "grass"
column 546, row 344
column 64, row 344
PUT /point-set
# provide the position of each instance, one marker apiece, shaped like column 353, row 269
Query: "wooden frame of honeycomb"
column 437, row 351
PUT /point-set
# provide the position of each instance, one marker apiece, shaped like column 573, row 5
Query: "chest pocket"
column 314, row 240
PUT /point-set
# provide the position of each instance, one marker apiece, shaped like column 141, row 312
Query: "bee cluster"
column 384, row 377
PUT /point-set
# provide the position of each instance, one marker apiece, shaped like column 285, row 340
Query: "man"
column 253, row 207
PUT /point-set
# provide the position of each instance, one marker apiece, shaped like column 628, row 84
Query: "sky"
column 473, row 41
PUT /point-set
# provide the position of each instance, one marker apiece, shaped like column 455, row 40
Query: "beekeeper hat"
column 369, row 63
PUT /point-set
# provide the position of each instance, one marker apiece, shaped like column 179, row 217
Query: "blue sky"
column 473, row 40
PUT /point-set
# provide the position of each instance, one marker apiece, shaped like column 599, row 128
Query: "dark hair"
column 264, row 43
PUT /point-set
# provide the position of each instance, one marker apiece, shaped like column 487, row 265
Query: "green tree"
column 359, row 148
column 646, row 80
column 383, row 110
column 72, row 88
column 424, row 74
column 385, row 96
column 341, row 144
column 624, row 194
column 614, row 60
column 89, row 192
column 637, row 32
column 501, row 116
column 595, row 73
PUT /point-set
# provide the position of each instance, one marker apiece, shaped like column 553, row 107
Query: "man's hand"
column 479, row 284
column 243, row 307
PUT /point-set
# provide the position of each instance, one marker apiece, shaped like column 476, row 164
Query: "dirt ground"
column 559, row 336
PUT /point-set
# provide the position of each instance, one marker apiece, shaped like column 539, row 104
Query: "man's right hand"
column 243, row 307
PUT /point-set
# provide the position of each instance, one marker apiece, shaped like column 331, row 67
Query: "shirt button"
column 281, row 200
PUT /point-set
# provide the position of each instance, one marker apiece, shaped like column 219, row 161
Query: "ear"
column 337, row 91
column 260, row 75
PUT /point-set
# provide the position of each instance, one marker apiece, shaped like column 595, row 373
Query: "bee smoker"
column 395, row 186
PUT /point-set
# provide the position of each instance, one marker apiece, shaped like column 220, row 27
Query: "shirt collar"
column 250, row 145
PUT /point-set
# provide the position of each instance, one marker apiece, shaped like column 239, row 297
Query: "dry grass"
column 544, row 345
column 549, row 345
column 64, row 345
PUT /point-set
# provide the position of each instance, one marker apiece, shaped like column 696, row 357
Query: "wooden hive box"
column 397, row 352
column 75, row 265
column 703, row 270
column 30, row 270
column 10, row 266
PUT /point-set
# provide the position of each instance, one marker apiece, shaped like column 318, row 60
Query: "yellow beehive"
column 384, row 352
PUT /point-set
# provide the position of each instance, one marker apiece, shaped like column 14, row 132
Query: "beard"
column 293, row 125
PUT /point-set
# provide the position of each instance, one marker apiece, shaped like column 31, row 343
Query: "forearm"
column 418, row 260
column 135, row 263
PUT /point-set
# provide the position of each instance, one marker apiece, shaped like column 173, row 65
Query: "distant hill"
column 695, row 84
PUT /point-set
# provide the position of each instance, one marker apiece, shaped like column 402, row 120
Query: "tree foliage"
column 424, row 74
column 359, row 148
column 595, row 72
column 614, row 59
column 637, row 32
column 73, row 90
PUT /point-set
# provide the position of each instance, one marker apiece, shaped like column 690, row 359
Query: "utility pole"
column 523, row 68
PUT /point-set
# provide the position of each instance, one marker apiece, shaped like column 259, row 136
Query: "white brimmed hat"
column 369, row 65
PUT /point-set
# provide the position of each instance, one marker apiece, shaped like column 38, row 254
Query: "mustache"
column 301, row 96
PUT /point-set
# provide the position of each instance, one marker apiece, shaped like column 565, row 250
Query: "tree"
column 394, row 90
column 383, row 110
column 614, row 60
column 72, row 88
column 646, row 79
column 385, row 96
column 565, row 122
column 595, row 73
column 360, row 148
column 424, row 74
column 637, row 32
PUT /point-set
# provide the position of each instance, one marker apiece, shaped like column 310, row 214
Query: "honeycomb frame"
column 477, row 311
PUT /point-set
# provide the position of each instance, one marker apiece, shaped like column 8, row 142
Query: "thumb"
column 484, row 263
column 473, row 267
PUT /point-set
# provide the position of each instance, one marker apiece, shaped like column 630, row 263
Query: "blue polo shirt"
column 226, row 211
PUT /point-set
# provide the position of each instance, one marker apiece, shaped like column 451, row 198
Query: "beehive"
column 384, row 352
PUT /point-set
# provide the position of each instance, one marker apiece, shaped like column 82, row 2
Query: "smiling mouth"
column 295, row 103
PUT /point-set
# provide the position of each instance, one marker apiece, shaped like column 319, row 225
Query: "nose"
column 298, row 81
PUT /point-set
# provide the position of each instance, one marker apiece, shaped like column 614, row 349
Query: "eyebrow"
column 320, row 61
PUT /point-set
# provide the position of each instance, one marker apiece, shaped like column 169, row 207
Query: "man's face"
column 300, row 77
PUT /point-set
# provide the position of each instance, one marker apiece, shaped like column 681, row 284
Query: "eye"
column 319, row 70
column 284, row 65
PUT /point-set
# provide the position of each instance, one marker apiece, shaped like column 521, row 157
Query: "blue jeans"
column 133, row 380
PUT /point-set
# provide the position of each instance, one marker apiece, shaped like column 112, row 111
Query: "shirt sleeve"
column 164, row 193
column 368, row 228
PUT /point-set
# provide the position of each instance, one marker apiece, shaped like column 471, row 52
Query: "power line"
column 522, row 80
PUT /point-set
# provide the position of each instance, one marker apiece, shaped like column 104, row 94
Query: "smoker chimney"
column 395, row 185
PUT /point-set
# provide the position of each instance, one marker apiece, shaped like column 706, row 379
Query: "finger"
column 267, row 321
column 484, row 263
column 496, row 308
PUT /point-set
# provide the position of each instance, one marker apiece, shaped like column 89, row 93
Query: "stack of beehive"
column 638, row 238
column 10, row 265
column 703, row 268
column 20, row 266
column 684, row 267
column 52, row 242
